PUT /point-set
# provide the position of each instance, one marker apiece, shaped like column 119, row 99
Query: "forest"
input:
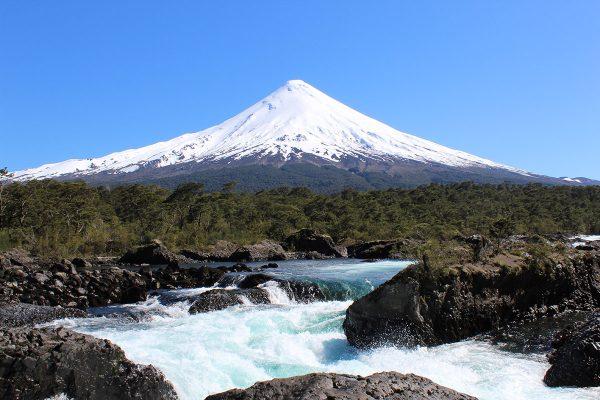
column 56, row 218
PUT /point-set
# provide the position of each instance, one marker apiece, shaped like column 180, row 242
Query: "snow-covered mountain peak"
column 296, row 121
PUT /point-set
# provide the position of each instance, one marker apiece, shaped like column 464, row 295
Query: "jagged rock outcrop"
column 428, row 307
column 575, row 360
column 308, row 240
column 328, row 386
column 39, row 363
column 265, row 250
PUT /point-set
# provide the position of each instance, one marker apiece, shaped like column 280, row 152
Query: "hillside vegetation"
column 68, row 218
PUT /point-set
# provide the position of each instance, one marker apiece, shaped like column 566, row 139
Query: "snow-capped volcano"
column 284, row 140
column 295, row 122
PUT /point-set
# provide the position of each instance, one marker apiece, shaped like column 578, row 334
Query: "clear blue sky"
column 514, row 81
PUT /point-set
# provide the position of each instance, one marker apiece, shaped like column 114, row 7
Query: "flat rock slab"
column 326, row 386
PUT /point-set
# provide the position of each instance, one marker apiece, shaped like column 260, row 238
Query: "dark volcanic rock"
column 576, row 358
column 423, row 307
column 195, row 255
column 20, row 314
column 219, row 299
column 63, row 285
column 266, row 250
column 478, row 244
column 326, row 386
column 252, row 288
column 254, row 280
column 239, row 267
column 380, row 249
column 39, row 363
column 220, row 251
column 534, row 336
column 81, row 263
column 153, row 253
column 307, row 240
column 174, row 277
column 300, row 291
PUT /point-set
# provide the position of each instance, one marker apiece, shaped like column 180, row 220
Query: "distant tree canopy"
column 68, row 218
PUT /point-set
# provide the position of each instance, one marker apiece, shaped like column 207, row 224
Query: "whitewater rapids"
column 211, row 352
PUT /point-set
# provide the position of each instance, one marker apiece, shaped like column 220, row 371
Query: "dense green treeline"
column 67, row 218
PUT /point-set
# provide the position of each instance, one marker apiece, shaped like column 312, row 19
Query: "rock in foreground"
column 576, row 358
column 40, row 363
column 385, row 385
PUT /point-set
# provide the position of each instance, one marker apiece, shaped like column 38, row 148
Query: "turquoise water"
column 209, row 353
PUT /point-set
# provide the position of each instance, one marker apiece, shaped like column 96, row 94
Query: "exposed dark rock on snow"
column 576, row 358
column 428, row 307
column 307, row 240
column 325, row 386
column 39, row 363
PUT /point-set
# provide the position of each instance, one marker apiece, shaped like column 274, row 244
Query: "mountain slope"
column 295, row 124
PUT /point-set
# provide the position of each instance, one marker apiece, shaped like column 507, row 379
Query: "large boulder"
column 424, row 305
column 576, row 358
column 154, row 253
column 308, row 240
column 328, row 386
column 40, row 363
column 265, row 250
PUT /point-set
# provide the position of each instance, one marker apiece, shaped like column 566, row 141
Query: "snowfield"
column 295, row 121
